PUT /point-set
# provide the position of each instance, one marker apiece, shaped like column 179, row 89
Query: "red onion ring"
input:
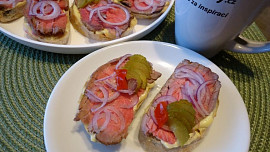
column 95, row 98
column 105, row 78
column 98, row 116
column 152, row 114
column 201, row 92
column 41, row 6
column 137, row 4
column 190, row 94
column 108, row 116
column 122, row 60
column 183, row 72
column 120, row 116
column 144, row 127
column 167, row 98
column 112, row 23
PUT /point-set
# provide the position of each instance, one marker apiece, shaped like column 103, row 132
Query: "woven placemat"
column 28, row 76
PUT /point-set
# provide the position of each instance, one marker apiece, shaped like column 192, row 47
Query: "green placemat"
column 28, row 76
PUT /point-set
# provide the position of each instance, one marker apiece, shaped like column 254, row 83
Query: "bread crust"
column 62, row 39
column 8, row 15
column 102, row 35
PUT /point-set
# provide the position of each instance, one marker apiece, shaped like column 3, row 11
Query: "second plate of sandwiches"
column 80, row 26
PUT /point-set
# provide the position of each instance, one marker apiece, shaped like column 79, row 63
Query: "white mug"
column 207, row 26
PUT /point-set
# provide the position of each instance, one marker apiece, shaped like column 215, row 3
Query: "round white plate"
column 78, row 44
column 230, row 131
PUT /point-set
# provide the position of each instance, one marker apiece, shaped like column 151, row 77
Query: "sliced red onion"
column 122, row 60
column 167, row 98
column 111, row 85
column 112, row 23
column 106, row 112
column 183, row 72
column 201, row 91
column 92, row 11
column 100, row 115
column 144, row 127
column 130, row 92
column 152, row 114
column 189, row 92
column 120, row 116
column 41, row 6
column 91, row 95
column 134, row 100
column 104, row 99
column 105, row 78
column 139, row 7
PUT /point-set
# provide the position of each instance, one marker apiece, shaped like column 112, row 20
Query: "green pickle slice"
column 179, row 130
column 141, row 59
column 181, row 119
column 138, row 68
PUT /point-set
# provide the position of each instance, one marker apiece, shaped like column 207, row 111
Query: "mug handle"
column 244, row 45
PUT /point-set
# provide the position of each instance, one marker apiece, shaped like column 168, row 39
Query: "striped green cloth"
column 28, row 76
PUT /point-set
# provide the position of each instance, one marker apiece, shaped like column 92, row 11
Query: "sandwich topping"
column 47, row 17
column 105, row 15
column 107, row 105
column 188, row 97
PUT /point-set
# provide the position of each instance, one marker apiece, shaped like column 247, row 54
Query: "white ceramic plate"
column 61, row 133
column 78, row 44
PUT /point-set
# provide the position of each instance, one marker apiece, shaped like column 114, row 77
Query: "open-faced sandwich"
column 112, row 96
column 182, row 111
column 11, row 10
column 47, row 21
column 101, row 19
column 145, row 8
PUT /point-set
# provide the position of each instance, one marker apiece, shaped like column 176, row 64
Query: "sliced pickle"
column 137, row 65
column 179, row 129
column 183, row 104
column 186, row 121
column 141, row 59
column 143, row 78
column 182, row 114
column 181, row 118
